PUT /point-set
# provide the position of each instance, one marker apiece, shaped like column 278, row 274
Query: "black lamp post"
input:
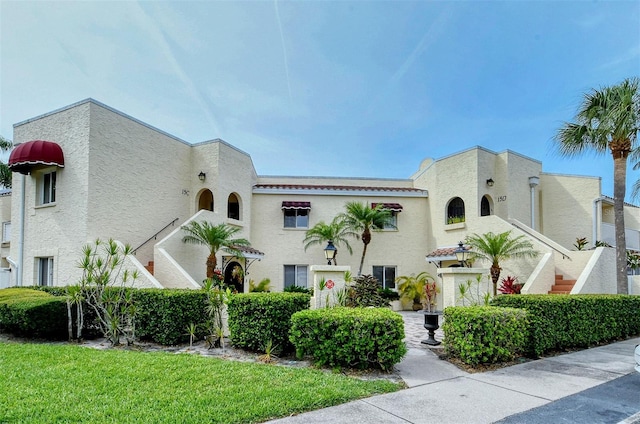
column 330, row 252
column 461, row 254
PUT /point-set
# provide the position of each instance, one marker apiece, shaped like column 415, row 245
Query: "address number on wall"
column 502, row 198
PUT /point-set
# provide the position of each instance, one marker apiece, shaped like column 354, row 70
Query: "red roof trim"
column 336, row 187
column 35, row 154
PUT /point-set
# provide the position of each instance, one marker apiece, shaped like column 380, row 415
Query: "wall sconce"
column 202, row 176
column 490, row 182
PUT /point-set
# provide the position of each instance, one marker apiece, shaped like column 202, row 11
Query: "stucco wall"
column 404, row 248
column 58, row 230
column 567, row 207
column 139, row 179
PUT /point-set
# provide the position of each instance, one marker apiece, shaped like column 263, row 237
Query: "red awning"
column 34, row 155
column 296, row 205
column 395, row 207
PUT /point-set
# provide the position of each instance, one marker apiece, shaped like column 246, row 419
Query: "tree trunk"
column 364, row 252
column 495, row 274
column 211, row 265
column 619, row 191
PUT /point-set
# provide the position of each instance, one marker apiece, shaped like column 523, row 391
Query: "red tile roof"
column 337, row 187
column 444, row 252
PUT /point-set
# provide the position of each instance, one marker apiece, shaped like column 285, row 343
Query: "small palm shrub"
column 365, row 292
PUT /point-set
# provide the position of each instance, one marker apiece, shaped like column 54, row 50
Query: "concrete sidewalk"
column 439, row 392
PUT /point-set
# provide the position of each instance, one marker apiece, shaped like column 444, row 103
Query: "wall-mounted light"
column 490, row 182
column 202, row 176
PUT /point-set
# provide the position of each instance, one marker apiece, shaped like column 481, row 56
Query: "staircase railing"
column 542, row 239
column 153, row 237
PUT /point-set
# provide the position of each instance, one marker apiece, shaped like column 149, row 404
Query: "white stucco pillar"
column 450, row 280
column 333, row 277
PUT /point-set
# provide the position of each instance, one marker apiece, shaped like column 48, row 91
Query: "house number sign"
column 502, row 198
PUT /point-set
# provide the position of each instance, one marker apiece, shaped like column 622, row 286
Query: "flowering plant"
column 330, row 284
column 510, row 285
column 430, row 294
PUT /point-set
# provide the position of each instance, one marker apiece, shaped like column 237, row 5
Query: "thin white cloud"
column 284, row 49
column 632, row 53
column 158, row 36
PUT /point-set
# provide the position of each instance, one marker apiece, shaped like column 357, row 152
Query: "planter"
column 431, row 324
column 396, row 305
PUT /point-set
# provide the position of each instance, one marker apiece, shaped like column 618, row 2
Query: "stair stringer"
column 598, row 274
column 542, row 277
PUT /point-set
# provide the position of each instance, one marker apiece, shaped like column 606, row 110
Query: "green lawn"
column 65, row 383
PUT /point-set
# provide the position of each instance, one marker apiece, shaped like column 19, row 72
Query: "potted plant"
column 431, row 316
column 412, row 288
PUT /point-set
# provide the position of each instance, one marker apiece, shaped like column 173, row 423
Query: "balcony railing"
column 609, row 236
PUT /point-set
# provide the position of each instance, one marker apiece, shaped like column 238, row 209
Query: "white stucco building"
column 87, row 171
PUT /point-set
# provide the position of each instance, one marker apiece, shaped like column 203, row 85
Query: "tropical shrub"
column 510, row 285
column 257, row 319
column 349, row 337
column 483, row 334
column 297, row 289
column 388, row 294
column 364, row 292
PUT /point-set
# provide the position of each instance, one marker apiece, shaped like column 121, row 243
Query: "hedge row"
column 163, row 315
column 565, row 321
column 485, row 334
column 257, row 319
column 33, row 313
column 350, row 337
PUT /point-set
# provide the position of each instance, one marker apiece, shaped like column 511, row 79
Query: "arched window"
column 485, row 206
column 205, row 201
column 455, row 211
column 233, row 207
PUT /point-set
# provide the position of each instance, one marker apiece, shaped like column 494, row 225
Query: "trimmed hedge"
column 564, row 321
column 163, row 315
column 350, row 337
column 485, row 334
column 33, row 313
column 255, row 319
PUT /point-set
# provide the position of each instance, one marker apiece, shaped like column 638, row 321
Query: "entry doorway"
column 234, row 276
column 205, row 201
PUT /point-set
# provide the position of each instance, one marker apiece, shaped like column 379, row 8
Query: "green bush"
column 350, row 337
column 163, row 315
column 565, row 321
column 484, row 334
column 256, row 319
column 33, row 313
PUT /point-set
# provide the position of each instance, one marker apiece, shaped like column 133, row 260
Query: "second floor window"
column 47, row 188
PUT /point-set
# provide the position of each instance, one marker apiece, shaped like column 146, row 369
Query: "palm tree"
column 413, row 287
column 5, row 172
column 608, row 120
column 215, row 237
column 496, row 248
column 336, row 231
column 361, row 218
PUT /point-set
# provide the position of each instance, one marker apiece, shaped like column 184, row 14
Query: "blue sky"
column 333, row 88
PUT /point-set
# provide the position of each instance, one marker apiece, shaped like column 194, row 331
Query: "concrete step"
column 149, row 267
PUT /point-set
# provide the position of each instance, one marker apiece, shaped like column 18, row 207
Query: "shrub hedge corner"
column 350, row 337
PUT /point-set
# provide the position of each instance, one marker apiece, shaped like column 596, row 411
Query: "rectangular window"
column 6, row 232
column 47, row 188
column 295, row 275
column 386, row 276
column 393, row 222
column 296, row 218
column 45, row 271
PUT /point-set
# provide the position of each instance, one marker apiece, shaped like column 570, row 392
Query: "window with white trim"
column 295, row 275
column 394, row 209
column 6, row 232
column 45, row 271
column 47, row 188
column 296, row 218
column 386, row 276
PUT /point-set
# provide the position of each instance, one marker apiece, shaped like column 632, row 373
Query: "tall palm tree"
column 5, row 172
column 608, row 120
column 336, row 231
column 362, row 218
column 215, row 237
column 496, row 248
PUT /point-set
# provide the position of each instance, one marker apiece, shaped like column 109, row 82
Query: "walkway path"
column 439, row 392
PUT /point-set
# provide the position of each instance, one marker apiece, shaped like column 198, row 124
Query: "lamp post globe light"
column 461, row 254
column 330, row 252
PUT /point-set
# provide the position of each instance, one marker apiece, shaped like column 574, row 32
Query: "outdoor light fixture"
column 490, row 182
column 461, row 254
column 330, row 252
column 202, row 176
